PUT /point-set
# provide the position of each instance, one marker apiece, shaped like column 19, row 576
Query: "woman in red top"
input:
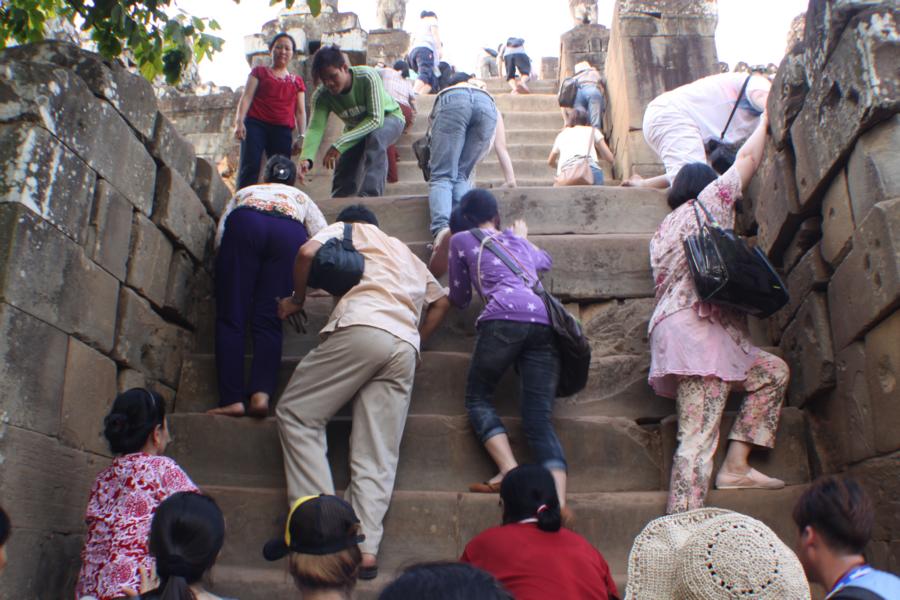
column 125, row 496
column 272, row 105
column 532, row 555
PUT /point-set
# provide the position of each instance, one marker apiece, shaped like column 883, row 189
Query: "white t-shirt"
column 572, row 142
column 424, row 36
column 709, row 101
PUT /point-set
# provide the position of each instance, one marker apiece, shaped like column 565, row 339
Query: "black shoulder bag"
column 573, row 346
column 337, row 266
column 422, row 146
column 728, row 271
column 720, row 154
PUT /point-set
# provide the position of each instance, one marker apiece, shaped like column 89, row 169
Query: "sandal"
column 260, row 410
column 485, row 487
column 752, row 479
column 367, row 573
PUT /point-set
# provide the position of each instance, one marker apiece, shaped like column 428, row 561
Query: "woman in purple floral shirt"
column 700, row 351
column 513, row 329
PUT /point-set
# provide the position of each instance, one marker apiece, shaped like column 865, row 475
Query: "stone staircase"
column 618, row 436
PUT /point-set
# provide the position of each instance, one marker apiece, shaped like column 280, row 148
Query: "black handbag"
column 337, row 266
column 422, row 149
column 720, row 154
column 568, row 89
column 574, row 349
column 728, row 271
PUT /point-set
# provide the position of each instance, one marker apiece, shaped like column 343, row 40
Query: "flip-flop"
column 753, row 479
column 260, row 412
column 485, row 487
column 367, row 573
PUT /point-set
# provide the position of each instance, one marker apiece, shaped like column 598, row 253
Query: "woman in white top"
column 425, row 53
column 573, row 141
column 259, row 235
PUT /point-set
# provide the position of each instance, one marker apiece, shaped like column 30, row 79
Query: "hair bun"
column 116, row 424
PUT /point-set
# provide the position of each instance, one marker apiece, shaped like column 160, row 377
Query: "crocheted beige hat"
column 712, row 554
column 582, row 66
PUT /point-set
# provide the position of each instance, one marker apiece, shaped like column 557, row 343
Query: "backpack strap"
column 487, row 242
column 734, row 110
column 347, row 243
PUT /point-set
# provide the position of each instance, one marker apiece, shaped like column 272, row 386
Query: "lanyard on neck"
column 850, row 576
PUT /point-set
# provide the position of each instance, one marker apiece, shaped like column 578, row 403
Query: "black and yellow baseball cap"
column 316, row 525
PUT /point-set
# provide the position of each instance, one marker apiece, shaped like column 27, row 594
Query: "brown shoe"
column 485, row 487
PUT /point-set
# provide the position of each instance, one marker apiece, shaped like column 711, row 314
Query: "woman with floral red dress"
column 125, row 496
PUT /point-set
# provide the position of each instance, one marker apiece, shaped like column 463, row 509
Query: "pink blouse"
column 121, row 507
column 704, row 339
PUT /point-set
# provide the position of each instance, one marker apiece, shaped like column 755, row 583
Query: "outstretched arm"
column 500, row 148
column 751, row 153
column 302, row 265
column 436, row 312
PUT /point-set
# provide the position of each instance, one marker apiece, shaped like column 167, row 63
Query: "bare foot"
column 235, row 409
column 633, row 181
column 440, row 254
column 369, row 560
column 259, row 405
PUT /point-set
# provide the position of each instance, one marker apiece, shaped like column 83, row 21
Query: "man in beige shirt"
column 368, row 355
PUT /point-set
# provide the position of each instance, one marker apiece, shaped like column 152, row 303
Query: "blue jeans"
column 598, row 175
column 261, row 137
column 590, row 98
column 421, row 60
column 532, row 348
column 464, row 124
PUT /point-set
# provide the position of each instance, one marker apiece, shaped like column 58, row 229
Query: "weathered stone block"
column 618, row 327
column 837, row 221
column 171, row 149
column 109, row 235
column 42, row 174
column 146, row 342
column 586, row 42
column 873, row 173
column 808, row 350
column 211, row 188
column 88, row 394
column 866, row 286
column 179, row 296
column 881, row 479
column 46, row 274
column 806, row 236
column 789, row 89
column 386, row 46
column 825, row 21
column 34, row 548
column 41, row 479
column 61, row 103
column 858, row 87
column 811, row 273
column 148, row 263
column 180, row 212
column 129, row 378
column 775, row 204
column 131, row 95
column 31, row 387
column 855, row 421
column 883, row 375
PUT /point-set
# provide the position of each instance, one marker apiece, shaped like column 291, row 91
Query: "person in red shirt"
column 272, row 105
column 531, row 554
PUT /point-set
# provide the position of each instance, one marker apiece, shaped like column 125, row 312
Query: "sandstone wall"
column 825, row 205
column 106, row 222
column 654, row 46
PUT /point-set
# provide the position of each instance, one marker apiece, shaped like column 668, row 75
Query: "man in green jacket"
column 372, row 122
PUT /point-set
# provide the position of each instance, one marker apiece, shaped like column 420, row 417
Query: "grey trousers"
column 375, row 370
column 362, row 169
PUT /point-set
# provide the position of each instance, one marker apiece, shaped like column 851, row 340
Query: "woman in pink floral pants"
column 701, row 352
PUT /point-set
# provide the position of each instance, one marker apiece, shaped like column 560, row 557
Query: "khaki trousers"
column 375, row 370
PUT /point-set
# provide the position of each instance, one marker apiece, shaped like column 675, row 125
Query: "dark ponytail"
column 529, row 492
column 132, row 419
column 475, row 207
column 186, row 535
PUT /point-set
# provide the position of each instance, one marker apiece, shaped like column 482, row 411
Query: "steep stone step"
column 438, row 453
column 408, row 170
column 499, row 87
column 419, row 187
column 539, row 119
column 507, row 103
column 524, row 151
column 424, row 526
column 600, row 210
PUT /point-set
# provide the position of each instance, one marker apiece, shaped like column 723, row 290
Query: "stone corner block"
column 873, row 173
column 90, row 388
column 808, row 351
column 148, row 262
column 181, row 213
column 883, row 376
column 211, row 188
column 170, row 148
column 109, row 236
column 837, row 221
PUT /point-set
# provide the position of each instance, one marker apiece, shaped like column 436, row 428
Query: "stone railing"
column 106, row 222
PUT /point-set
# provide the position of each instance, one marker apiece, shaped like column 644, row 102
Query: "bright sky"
column 754, row 32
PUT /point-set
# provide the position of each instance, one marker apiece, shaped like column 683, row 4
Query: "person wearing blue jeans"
column 590, row 99
column 465, row 120
column 513, row 330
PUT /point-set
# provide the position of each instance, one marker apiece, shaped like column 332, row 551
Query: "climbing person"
column 578, row 142
column 397, row 84
column 425, row 52
column 258, row 236
column 834, row 518
column 321, row 541
column 272, row 105
column 372, row 122
column 589, row 95
column 125, row 496
column 186, row 535
column 368, row 356
column 678, row 123
column 518, row 65
column 549, row 560
column 463, row 126
column 513, row 329
column 487, row 63
column 699, row 352
column 444, row 581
